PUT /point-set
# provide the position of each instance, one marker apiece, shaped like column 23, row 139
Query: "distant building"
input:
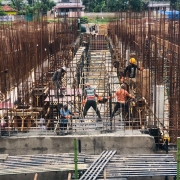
column 69, row 8
column 159, row 5
column 9, row 10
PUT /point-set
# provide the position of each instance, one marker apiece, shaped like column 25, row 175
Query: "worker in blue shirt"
column 64, row 116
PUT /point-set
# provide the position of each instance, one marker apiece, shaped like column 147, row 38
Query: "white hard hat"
column 64, row 68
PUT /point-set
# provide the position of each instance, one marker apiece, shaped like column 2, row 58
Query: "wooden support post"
column 22, row 125
column 37, row 100
column 69, row 176
column 36, row 176
column 104, row 173
column 139, row 111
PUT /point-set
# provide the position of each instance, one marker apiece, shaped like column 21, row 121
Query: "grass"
column 99, row 20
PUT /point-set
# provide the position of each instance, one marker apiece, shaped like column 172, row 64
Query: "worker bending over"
column 90, row 100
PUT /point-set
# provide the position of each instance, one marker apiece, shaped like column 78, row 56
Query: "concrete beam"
column 91, row 144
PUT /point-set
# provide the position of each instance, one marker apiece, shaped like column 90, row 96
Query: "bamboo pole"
column 36, row 176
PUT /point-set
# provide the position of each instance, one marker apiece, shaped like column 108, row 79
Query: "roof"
column 158, row 4
column 69, row 5
column 7, row 8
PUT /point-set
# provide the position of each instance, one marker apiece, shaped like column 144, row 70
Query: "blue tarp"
column 171, row 14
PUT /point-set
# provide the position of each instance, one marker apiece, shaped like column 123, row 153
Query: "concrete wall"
column 90, row 144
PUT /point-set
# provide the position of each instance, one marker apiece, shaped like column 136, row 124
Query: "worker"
column 57, row 78
column 131, row 69
column 121, row 95
column 41, row 123
column 64, row 116
column 90, row 100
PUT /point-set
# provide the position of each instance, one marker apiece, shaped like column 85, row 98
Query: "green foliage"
column 2, row 13
column 136, row 5
column 34, row 7
column 46, row 5
column 112, row 5
column 84, row 20
column 17, row 4
column 29, row 10
column 100, row 20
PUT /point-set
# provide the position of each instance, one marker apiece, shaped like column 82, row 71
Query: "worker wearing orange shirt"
column 121, row 95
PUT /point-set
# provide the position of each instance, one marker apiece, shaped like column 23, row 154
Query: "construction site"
column 131, row 145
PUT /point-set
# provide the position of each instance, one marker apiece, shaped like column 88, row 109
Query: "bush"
column 84, row 20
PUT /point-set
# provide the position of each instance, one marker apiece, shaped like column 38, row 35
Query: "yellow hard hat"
column 132, row 61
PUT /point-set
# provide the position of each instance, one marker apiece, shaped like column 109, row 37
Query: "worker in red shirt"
column 121, row 95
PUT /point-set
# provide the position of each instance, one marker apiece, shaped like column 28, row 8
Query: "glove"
column 84, row 101
column 100, row 98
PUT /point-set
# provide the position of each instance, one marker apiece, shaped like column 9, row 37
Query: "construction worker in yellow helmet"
column 132, row 61
column 130, row 70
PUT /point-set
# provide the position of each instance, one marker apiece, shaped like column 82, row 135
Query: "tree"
column 136, row 5
column 17, row 4
column 2, row 13
column 44, row 5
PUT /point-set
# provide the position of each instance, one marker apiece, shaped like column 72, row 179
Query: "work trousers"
column 132, row 85
column 63, row 124
column 124, row 106
column 91, row 103
column 57, row 86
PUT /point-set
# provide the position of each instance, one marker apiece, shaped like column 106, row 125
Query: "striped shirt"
column 90, row 93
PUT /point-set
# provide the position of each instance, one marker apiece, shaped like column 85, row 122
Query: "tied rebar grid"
column 154, row 39
column 40, row 48
column 29, row 55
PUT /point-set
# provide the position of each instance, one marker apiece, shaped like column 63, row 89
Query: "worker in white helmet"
column 56, row 78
